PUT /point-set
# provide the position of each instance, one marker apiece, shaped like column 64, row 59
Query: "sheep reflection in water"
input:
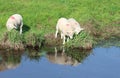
column 6, row 66
column 9, row 60
column 62, row 58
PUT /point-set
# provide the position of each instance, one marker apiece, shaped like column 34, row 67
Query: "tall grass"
column 84, row 40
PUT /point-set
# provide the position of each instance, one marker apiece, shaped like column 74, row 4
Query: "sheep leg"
column 67, row 39
column 21, row 28
column 56, row 32
column 64, row 39
column 62, row 35
column 55, row 52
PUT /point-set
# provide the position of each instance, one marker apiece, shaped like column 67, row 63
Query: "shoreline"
column 51, row 42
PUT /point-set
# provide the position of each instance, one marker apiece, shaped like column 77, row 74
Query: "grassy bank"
column 100, row 18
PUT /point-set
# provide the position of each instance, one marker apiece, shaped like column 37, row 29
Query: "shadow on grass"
column 25, row 28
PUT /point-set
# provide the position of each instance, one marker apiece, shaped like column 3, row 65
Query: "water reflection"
column 9, row 60
column 113, row 41
column 56, row 55
column 69, row 57
column 101, row 63
column 33, row 55
column 60, row 57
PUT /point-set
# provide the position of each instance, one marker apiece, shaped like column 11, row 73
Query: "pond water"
column 61, row 63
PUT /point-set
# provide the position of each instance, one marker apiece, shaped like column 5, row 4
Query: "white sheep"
column 14, row 22
column 75, row 25
column 65, row 29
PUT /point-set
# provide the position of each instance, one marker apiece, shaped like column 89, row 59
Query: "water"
column 98, row 63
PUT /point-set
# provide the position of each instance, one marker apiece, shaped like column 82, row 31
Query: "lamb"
column 75, row 25
column 65, row 28
column 14, row 22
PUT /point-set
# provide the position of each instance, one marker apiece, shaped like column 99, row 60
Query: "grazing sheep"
column 65, row 29
column 14, row 22
column 75, row 25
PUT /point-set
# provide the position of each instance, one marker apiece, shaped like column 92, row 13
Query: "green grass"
column 80, row 40
column 41, row 15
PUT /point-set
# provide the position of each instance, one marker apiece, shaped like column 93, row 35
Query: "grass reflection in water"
column 56, row 55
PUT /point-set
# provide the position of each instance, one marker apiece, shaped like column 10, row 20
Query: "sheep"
column 14, row 22
column 65, row 28
column 75, row 25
